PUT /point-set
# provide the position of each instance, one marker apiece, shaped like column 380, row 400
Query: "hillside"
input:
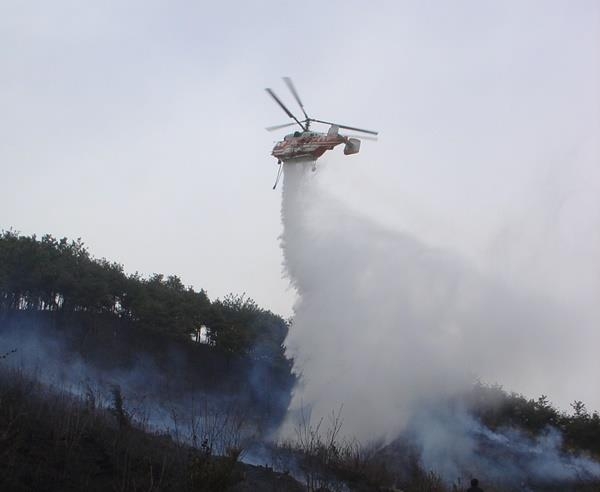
column 57, row 442
column 80, row 330
column 111, row 381
column 58, row 290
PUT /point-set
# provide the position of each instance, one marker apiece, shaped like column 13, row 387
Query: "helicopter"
column 307, row 145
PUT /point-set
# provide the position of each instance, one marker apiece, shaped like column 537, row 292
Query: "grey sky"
column 139, row 126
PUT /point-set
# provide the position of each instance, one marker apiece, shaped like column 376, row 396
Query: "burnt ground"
column 54, row 442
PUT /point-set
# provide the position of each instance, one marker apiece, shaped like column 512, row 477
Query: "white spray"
column 387, row 326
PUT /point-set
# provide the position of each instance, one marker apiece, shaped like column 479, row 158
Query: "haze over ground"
column 140, row 128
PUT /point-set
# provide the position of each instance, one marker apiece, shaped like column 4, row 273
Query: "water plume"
column 390, row 327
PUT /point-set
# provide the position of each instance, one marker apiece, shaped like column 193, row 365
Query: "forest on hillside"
column 61, row 276
column 80, row 320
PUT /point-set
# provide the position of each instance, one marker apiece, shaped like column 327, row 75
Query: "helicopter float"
column 307, row 145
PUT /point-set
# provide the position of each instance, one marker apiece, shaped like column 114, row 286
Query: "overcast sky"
column 139, row 127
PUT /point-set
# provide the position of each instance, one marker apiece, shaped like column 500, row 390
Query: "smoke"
column 389, row 327
column 454, row 444
column 164, row 389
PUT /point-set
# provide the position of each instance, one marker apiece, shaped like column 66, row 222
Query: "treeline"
column 498, row 408
column 60, row 275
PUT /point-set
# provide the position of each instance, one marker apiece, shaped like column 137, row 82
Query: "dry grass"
column 54, row 441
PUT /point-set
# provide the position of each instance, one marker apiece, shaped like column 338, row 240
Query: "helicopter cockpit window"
column 296, row 134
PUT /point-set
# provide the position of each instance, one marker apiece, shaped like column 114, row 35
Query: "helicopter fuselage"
column 309, row 145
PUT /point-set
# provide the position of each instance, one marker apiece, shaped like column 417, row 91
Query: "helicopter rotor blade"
column 371, row 132
column 286, row 110
column 277, row 127
column 363, row 137
column 290, row 84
